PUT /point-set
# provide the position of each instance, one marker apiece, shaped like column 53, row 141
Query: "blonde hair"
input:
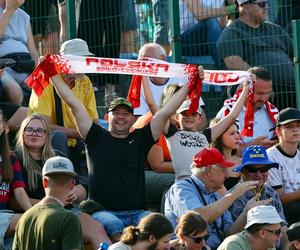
column 34, row 171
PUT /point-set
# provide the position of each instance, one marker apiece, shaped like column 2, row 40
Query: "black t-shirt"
column 116, row 167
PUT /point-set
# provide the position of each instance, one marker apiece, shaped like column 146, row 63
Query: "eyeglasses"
column 252, row 169
column 39, row 132
column 276, row 232
column 198, row 239
column 261, row 5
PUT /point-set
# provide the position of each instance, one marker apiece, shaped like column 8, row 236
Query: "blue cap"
column 255, row 155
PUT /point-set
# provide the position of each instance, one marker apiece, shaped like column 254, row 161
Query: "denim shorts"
column 128, row 15
column 115, row 221
column 5, row 218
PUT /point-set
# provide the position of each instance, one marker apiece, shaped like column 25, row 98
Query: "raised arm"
column 82, row 118
column 222, row 125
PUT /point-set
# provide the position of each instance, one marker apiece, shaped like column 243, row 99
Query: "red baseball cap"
column 211, row 156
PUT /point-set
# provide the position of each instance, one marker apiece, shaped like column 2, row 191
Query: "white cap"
column 75, row 47
column 58, row 165
column 261, row 215
column 186, row 105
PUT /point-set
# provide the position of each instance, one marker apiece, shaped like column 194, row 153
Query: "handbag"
column 24, row 62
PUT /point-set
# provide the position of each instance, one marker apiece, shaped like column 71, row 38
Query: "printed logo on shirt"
column 189, row 140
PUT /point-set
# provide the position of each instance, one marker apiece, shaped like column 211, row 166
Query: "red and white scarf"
column 249, row 115
column 67, row 64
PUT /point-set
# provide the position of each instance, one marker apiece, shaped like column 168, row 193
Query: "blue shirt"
column 183, row 197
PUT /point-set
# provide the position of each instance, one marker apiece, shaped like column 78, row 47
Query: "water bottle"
column 103, row 246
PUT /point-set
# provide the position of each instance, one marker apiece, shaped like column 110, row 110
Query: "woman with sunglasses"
column 33, row 148
column 228, row 143
column 11, row 184
column 191, row 233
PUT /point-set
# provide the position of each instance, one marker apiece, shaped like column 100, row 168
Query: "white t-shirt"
column 183, row 145
column 263, row 125
column 157, row 91
column 187, row 19
column 288, row 174
column 119, row 246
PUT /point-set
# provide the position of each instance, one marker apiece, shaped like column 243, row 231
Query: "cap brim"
column 226, row 164
column 286, row 122
column 239, row 168
column 73, row 174
column 179, row 111
column 112, row 107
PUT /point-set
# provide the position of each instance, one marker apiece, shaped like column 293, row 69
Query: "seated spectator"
column 199, row 193
column 153, row 232
column 293, row 234
column 255, row 167
column 191, row 232
column 11, row 184
column 33, row 149
column 16, row 43
column 264, row 111
column 228, row 143
column 199, row 25
column 58, row 114
column 285, row 179
column 251, row 41
column 48, row 225
column 262, row 231
column 185, row 142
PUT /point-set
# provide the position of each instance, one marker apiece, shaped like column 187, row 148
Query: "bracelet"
column 230, row 9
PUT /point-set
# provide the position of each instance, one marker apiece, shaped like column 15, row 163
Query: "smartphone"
column 7, row 62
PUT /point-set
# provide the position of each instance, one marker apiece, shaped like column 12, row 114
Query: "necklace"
column 54, row 198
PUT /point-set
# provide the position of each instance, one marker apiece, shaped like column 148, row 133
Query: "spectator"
column 48, row 225
column 185, row 142
column 116, row 157
column 294, row 236
column 251, row 41
column 191, row 232
column 33, row 149
column 255, row 167
column 161, row 16
column 262, row 231
column 264, row 111
column 228, row 143
column 285, row 179
column 16, row 43
column 58, row 114
column 99, row 25
column 153, row 232
column 199, row 25
column 199, row 193
column 11, row 184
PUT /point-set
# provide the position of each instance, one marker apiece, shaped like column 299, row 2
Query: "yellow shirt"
column 45, row 104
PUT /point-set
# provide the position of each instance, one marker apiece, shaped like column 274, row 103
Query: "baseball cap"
column 263, row 214
column 288, row 115
column 211, row 156
column 75, row 47
column 58, row 165
column 120, row 101
column 186, row 105
column 255, row 154
column 293, row 232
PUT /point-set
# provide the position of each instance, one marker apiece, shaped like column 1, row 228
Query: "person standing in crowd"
column 262, row 231
column 252, row 41
column 153, row 232
column 191, row 232
column 294, row 236
column 285, row 179
column 264, row 111
column 116, row 156
column 48, row 225
column 199, row 193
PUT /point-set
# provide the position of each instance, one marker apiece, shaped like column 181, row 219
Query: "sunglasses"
column 261, row 5
column 198, row 239
column 252, row 169
column 276, row 232
column 29, row 131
